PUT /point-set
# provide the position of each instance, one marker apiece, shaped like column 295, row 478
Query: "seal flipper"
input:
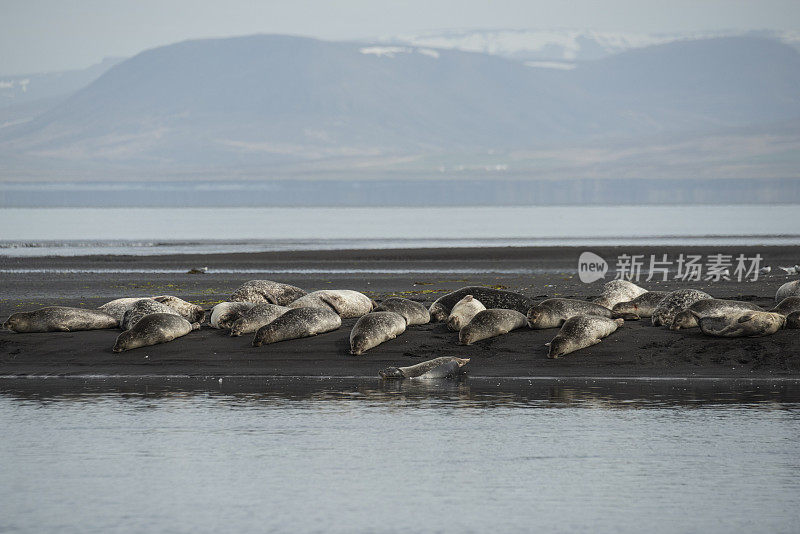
column 745, row 318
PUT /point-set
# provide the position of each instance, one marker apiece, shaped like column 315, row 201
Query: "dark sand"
column 635, row 350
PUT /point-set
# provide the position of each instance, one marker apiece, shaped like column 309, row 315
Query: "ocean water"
column 436, row 457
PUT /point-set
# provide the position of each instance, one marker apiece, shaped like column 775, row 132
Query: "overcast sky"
column 47, row 35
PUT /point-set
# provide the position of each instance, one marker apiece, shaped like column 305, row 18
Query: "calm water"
column 404, row 458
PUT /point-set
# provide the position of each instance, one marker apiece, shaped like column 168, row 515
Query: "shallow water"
column 437, row 457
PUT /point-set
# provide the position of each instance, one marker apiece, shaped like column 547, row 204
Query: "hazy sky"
column 46, row 35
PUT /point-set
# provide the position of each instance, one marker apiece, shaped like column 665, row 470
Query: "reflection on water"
column 347, row 455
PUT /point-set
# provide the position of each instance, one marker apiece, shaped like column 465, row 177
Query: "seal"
column 463, row 312
column 642, row 306
column 347, row 303
column 490, row 323
column 616, row 291
column 706, row 308
column 414, row 312
column 674, row 303
column 374, row 328
column 582, row 331
column 256, row 317
column 789, row 289
column 443, row 367
column 60, row 319
column 787, row 306
column 191, row 312
column 224, row 314
column 141, row 308
column 297, row 323
column 742, row 324
column 491, row 298
column 267, row 291
column 793, row 320
column 154, row 329
column 118, row 307
column 552, row 313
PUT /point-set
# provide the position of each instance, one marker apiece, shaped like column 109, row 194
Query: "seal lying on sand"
column 414, row 312
column 642, row 307
column 793, row 320
column 742, row 324
column 347, row 303
column 552, row 313
column 787, row 306
column 490, row 323
column 60, row 319
column 118, row 307
column 142, row 308
column 297, row 323
column 256, row 317
column 154, row 329
column 708, row 308
column 267, row 291
column 224, row 314
column 674, row 303
column 191, row 312
column 580, row 332
column 491, row 298
column 374, row 328
column 617, row 291
column 789, row 289
column 463, row 312
column 443, row 367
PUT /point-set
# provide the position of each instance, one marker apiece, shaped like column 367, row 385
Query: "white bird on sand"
column 765, row 270
column 790, row 270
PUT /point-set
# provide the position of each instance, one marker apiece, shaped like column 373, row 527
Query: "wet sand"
column 635, row 350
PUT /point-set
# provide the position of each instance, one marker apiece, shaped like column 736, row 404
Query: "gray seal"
column 707, row 308
column 297, row 323
column 118, row 307
column 443, row 367
column 742, row 324
column 793, row 320
column 552, row 313
column 154, row 329
column 789, row 289
column 224, row 314
column 674, row 303
column 580, row 332
column 616, row 291
column 267, row 291
column 787, row 306
column 642, row 307
column 414, row 312
column 346, row 302
column 60, row 319
column 374, row 328
column 191, row 312
column 140, row 309
column 490, row 323
column 491, row 298
column 256, row 317
column 463, row 312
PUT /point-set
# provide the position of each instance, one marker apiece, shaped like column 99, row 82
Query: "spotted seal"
column 463, row 312
column 616, row 291
column 674, row 303
column 118, row 307
column 191, row 312
column 374, row 328
column 346, row 302
column 552, row 313
column 154, row 329
column 414, row 312
column 443, row 367
column 259, row 291
column 582, row 331
column 787, row 306
column 60, row 319
column 490, row 323
column 706, row 308
column 789, row 289
column 141, row 308
column 256, row 317
column 641, row 307
column 224, row 314
column 491, row 298
column 297, row 323
column 742, row 324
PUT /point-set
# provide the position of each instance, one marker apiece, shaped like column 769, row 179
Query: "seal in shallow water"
column 297, row 323
column 224, row 314
column 346, row 302
column 267, row 291
column 674, row 303
column 414, row 312
column 789, row 289
column 60, row 319
column 616, row 291
column 552, row 313
column 154, row 329
column 742, row 324
column 490, row 323
column 443, row 367
column 707, row 308
column 580, row 332
column 256, row 317
column 463, row 312
column 140, row 309
column 491, row 298
column 374, row 328
column 640, row 307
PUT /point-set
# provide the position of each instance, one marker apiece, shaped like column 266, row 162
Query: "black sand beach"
column 635, row 350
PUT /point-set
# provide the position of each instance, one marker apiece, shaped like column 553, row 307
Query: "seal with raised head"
column 582, row 331
column 789, row 289
column 374, row 328
column 414, row 312
column 256, row 317
column 443, row 367
column 463, row 312
column 259, row 291
column 552, row 313
column 60, row 319
column 118, row 307
column 490, row 323
column 224, row 314
column 742, row 324
column 142, row 308
column 674, row 303
column 787, row 306
column 642, row 307
column 616, row 291
column 346, row 302
column 191, row 312
column 154, row 329
column 706, row 308
column 297, row 323
column 491, row 298
column 793, row 320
